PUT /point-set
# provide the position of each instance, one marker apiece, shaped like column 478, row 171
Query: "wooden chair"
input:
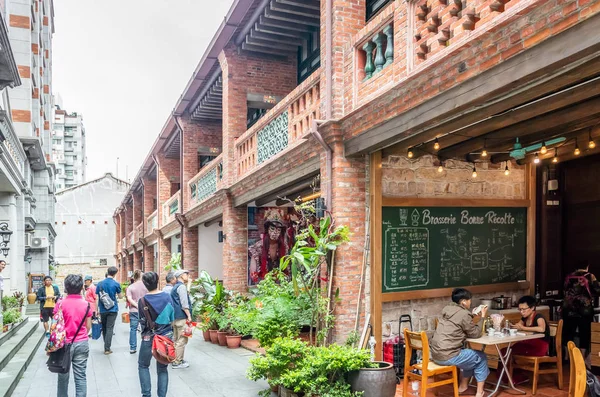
column 580, row 378
column 570, row 347
column 429, row 369
column 533, row 363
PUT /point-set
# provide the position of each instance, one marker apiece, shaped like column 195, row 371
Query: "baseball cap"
column 88, row 277
column 180, row 272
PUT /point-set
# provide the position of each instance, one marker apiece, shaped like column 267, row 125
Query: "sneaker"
column 132, row 351
column 107, row 352
column 47, row 334
column 184, row 364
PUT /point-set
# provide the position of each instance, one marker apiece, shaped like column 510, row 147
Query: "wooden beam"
column 303, row 35
column 568, row 131
column 295, row 41
column 537, row 107
column 283, row 16
column 312, row 4
column 271, row 44
column 540, row 123
column 265, row 50
column 376, row 255
column 502, row 87
column 265, row 21
column 442, row 292
column 450, row 202
column 295, row 10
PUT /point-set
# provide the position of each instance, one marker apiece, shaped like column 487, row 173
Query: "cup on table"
column 490, row 332
column 513, row 331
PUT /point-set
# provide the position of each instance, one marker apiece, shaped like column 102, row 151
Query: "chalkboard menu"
column 444, row 247
column 37, row 281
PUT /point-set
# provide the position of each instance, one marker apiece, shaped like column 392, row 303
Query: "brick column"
column 190, row 250
column 148, row 258
column 235, row 246
column 167, row 172
column 349, row 201
column 149, row 196
column 137, row 260
column 164, row 256
column 128, row 220
column 117, row 222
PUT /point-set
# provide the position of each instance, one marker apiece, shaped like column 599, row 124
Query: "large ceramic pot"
column 206, row 335
column 234, row 341
column 374, row 382
column 31, row 297
column 222, row 338
column 213, row 336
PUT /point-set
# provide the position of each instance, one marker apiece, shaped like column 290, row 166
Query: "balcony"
column 280, row 128
column 131, row 239
column 139, row 231
column 152, row 222
column 206, row 182
column 170, row 208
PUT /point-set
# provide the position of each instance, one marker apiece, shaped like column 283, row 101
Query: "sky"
column 123, row 64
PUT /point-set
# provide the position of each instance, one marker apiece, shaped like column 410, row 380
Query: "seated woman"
column 531, row 321
column 456, row 324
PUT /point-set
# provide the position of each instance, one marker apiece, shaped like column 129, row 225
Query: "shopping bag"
column 96, row 329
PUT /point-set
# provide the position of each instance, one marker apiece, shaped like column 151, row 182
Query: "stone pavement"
column 214, row 371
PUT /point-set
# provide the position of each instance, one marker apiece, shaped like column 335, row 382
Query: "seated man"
column 456, row 324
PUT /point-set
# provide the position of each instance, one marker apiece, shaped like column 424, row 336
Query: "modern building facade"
column 68, row 149
column 85, row 241
column 31, row 26
column 392, row 106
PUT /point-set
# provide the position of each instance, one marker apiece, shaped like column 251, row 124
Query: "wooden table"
column 505, row 359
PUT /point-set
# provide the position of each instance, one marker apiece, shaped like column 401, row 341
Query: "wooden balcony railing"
column 139, row 231
column 378, row 51
column 206, row 182
column 152, row 222
column 170, row 208
column 288, row 121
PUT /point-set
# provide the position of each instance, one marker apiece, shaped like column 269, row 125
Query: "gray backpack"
column 106, row 300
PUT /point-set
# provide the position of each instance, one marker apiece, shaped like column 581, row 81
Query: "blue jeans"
column 470, row 362
column 79, row 356
column 144, row 357
column 134, row 319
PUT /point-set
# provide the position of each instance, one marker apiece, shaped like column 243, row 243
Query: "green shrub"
column 11, row 316
column 9, row 302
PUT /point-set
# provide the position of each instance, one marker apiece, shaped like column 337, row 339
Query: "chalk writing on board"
column 440, row 247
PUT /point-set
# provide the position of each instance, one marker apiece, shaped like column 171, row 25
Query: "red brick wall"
column 190, row 250
column 137, row 260
column 164, row 256
column 148, row 258
column 167, row 173
column 128, row 220
column 235, row 246
column 149, row 197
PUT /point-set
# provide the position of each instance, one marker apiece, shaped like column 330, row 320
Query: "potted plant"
column 11, row 317
column 223, row 321
column 210, row 298
column 240, row 323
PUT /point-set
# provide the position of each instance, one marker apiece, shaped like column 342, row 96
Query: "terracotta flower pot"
column 206, row 335
column 31, row 298
column 213, row 336
column 234, row 341
column 222, row 338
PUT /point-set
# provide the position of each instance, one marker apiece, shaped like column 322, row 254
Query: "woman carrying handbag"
column 72, row 312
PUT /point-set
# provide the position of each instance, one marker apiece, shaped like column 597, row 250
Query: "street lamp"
column 5, row 233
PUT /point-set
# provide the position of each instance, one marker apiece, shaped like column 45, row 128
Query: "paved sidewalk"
column 214, row 372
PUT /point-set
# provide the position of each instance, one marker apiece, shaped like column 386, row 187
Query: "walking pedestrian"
column 75, row 309
column 160, row 310
column 135, row 292
column 182, row 308
column 108, row 315
column 47, row 295
column 171, row 280
column 90, row 294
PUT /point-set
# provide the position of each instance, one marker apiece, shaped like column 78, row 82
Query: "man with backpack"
column 108, row 305
column 581, row 287
column 155, row 315
column 183, row 314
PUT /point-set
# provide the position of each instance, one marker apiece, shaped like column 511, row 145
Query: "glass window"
column 374, row 6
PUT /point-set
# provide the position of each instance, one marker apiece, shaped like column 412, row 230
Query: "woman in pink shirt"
column 76, row 311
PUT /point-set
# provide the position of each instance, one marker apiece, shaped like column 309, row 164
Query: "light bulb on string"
column 555, row 159
column 410, row 154
column 591, row 143
column 536, row 160
column 436, row 145
column 441, row 168
column 576, row 152
column 544, row 149
column 506, row 171
column 474, row 175
column 484, row 152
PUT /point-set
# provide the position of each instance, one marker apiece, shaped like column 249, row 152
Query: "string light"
column 544, row 149
column 436, row 145
column 506, row 171
column 441, row 168
column 410, row 154
column 536, row 159
column 474, row 171
column 576, row 152
column 555, row 159
column 591, row 144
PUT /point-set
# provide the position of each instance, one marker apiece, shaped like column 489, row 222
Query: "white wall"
column 210, row 251
column 175, row 243
column 88, row 232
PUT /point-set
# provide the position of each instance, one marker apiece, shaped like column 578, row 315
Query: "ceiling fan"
column 519, row 152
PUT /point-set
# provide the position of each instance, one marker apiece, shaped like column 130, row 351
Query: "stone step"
column 12, row 372
column 32, row 310
column 5, row 336
column 16, row 341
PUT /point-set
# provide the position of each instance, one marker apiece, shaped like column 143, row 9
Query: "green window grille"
column 273, row 138
column 193, row 190
column 207, row 185
column 173, row 207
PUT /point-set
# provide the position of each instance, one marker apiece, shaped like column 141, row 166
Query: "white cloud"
column 123, row 64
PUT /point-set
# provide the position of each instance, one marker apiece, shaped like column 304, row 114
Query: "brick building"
column 391, row 104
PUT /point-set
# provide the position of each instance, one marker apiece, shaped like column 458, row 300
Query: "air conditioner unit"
column 39, row 242
column 28, row 240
